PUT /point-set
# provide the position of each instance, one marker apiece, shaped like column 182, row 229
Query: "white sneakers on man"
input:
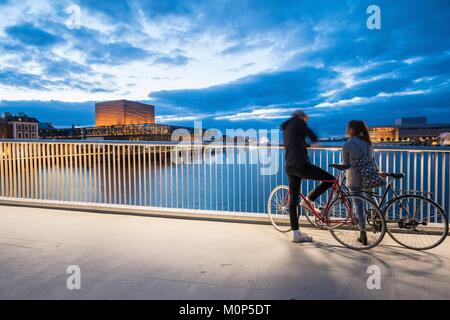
column 307, row 205
column 298, row 237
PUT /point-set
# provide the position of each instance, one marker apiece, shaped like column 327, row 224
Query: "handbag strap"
column 362, row 154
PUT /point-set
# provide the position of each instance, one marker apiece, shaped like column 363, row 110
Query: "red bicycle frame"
column 336, row 191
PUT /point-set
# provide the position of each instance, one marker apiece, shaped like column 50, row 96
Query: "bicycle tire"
column 271, row 210
column 395, row 235
column 338, row 229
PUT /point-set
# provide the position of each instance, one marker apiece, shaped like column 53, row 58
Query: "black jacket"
column 295, row 132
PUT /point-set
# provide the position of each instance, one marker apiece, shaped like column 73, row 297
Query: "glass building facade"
column 123, row 112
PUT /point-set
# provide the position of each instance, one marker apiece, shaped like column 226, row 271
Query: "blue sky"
column 246, row 63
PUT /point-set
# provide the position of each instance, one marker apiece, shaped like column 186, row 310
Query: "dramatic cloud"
column 114, row 53
column 27, row 34
column 246, row 63
column 261, row 90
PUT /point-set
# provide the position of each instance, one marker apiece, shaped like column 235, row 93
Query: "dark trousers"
column 295, row 176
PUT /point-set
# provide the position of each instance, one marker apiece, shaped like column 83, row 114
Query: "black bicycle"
column 413, row 219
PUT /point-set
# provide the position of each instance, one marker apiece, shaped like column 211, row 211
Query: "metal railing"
column 212, row 177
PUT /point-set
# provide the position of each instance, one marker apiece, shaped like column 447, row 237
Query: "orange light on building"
column 123, row 112
column 384, row 134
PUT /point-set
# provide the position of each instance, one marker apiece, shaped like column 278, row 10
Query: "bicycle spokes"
column 278, row 208
column 416, row 222
column 347, row 217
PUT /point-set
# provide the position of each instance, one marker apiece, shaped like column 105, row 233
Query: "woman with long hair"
column 357, row 146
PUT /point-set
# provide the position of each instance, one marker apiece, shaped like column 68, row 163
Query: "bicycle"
column 411, row 230
column 336, row 216
column 405, row 217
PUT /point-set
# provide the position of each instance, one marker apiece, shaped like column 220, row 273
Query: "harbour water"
column 231, row 181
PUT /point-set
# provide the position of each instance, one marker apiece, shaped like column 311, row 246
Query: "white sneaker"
column 307, row 206
column 299, row 237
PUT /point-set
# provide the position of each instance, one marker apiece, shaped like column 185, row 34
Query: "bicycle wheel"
column 277, row 207
column 342, row 221
column 416, row 222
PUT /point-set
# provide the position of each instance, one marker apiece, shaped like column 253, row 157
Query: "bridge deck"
column 129, row 257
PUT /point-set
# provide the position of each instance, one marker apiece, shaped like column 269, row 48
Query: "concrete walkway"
column 129, row 257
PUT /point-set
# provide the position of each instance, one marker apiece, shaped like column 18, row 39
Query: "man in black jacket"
column 298, row 167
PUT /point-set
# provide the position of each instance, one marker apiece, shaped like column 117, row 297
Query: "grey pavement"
column 132, row 257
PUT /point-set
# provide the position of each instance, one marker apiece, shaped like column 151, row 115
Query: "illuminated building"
column 410, row 129
column 118, row 120
column 381, row 134
column 445, row 139
column 18, row 126
column 139, row 132
column 123, row 112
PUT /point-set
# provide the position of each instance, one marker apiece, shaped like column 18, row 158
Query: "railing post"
column 150, row 174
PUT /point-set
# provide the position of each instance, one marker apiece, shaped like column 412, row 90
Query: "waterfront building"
column 18, row 126
column 410, row 129
column 382, row 134
column 117, row 120
column 45, row 126
column 137, row 132
column 445, row 139
column 123, row 112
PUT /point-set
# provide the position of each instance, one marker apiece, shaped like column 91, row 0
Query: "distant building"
column 123, row 112
column 422, row 132
column 45, row 126
column 136, row 132
column 117, row 120
column 410, row 129
column 129, row 121
column 18, row 126
column 445, row 139
column 382, row 134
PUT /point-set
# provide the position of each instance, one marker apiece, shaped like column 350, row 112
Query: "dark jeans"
column 295, row 176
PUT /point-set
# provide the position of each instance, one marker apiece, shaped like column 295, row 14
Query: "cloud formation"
column 247, row 63
column 29, row 35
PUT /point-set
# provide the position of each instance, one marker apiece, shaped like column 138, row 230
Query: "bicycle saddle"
column 396, row 175
column 341, row 167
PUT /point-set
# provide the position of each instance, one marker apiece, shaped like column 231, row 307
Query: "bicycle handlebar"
column 341, row 167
